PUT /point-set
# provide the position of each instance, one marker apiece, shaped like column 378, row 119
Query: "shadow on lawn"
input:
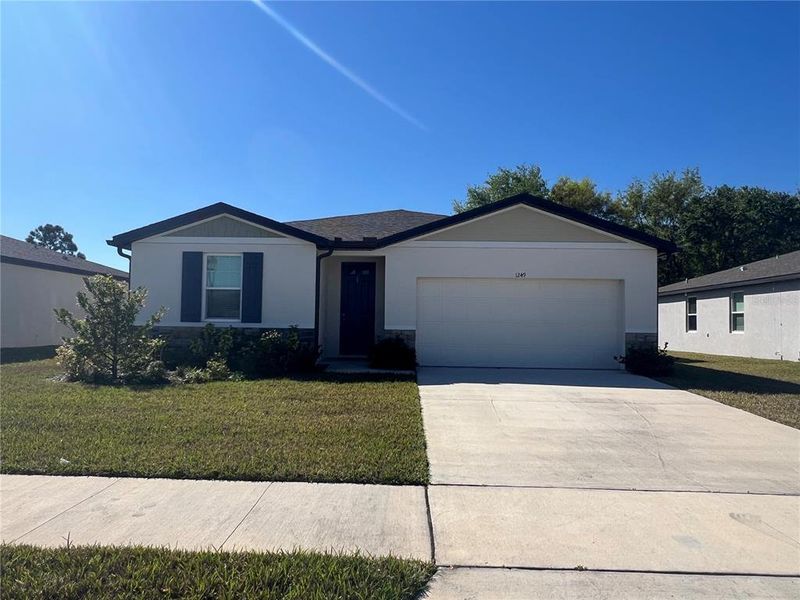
column 687, row 374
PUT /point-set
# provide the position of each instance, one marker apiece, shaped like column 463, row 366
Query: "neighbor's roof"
column 379, row 229
column 366, row 225
column 777, row 268
column 17, row 252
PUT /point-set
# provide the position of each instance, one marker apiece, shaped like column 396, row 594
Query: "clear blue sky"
column 115, row 115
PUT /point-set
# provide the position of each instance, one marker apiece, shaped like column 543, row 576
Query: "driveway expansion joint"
column 610, row 489
column 632, row 571
column 430, row 526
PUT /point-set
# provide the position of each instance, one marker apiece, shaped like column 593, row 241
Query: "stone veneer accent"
column 640, row 340
column 178, row 338
column 408, row 335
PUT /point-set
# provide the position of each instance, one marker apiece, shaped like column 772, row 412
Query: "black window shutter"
column 252, row 269
column 192, row 287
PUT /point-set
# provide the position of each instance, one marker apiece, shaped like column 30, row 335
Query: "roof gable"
column 520, row 223
column 224, row 226
column 541, row 204
column 124, row 240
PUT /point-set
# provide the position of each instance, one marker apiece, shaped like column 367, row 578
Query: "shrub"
column 108, row 347
column 214, row 343
column 277, row 353
column 651, row 361
column 392, row 353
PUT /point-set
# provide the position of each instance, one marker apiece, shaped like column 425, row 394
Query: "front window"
column 691, row 314
column 737, row 311
column 223, row 286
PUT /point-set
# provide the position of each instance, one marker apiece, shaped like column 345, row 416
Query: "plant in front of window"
column 108, row 346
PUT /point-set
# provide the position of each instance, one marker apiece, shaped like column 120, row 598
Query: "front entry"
column 357, row 308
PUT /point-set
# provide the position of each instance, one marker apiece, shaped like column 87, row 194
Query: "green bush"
column 108, row 347
column 651, row 362
column 277, row 353
column 214, row 343
column 392, row 353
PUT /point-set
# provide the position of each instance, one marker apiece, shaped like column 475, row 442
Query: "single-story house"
column 33, row 282
column 752, row 310
column 523, row 282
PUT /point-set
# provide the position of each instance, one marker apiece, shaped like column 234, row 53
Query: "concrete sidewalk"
column 230, row 515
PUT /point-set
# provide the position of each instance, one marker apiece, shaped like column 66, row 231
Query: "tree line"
column 716, row 227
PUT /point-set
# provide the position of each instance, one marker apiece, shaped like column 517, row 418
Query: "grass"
column 327, row 428
column 108, row 572
column 768, row 388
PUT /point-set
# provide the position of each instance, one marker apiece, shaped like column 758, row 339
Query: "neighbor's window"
column 691, row 314
column 223, row 286
column 737, row 311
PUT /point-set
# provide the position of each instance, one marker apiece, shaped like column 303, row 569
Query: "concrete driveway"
column 597, row 429
column 608, row 471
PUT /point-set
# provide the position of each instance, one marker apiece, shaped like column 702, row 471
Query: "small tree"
column 55, row 238
column 108, row 346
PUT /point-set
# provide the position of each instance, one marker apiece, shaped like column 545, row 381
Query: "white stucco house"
column 33, row 282
column 523, row 282
column 752, row 310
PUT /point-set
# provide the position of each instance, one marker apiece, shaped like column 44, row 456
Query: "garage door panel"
column 519, row 323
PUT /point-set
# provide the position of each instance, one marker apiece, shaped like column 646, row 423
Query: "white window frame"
column 732, row 312
column 205, row 286
column 694, row 314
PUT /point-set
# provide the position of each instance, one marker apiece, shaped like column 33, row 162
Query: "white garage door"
column 550, row 323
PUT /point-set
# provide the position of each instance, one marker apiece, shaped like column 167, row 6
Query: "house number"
column 521, row 275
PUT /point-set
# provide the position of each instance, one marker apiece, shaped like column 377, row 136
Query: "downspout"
column 130, row 264
column 320, row 257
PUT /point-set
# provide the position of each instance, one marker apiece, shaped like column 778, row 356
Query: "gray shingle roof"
column 16, row 251
column 785, row 266
column 357, row 227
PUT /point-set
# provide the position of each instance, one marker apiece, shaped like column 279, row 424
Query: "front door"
column 357, row 308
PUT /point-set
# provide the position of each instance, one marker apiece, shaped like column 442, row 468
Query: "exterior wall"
column 330, row 299
column 634, row 265
column 27, row 298
column 288, row 285
column 771, row 322
column 520, row 224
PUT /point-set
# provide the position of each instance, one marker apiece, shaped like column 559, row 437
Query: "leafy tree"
column 656, row 207
column 108, row 346
column 731, row 226
column 502, row 184
column 583, row 195
column 55, row 238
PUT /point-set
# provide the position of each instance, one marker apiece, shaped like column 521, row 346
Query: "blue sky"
column 115, row 115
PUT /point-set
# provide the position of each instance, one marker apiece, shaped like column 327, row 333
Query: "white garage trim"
column 525, row 323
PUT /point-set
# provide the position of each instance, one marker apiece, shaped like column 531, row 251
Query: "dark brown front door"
column 357, row 308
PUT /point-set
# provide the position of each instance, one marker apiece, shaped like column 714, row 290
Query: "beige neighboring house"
column 33, row 282
column 523, row 282
column 752, row 310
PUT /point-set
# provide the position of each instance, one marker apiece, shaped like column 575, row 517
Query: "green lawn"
column 105, row 573
column 325, row 428
column 768, row 388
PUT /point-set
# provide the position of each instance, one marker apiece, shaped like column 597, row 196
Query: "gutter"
column 320, row 258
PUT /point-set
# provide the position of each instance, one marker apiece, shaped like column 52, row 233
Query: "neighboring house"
column 752, row 310
column 33, row 282
column 523, row 282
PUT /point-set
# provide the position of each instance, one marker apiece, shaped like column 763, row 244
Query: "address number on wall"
column 521, row 275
